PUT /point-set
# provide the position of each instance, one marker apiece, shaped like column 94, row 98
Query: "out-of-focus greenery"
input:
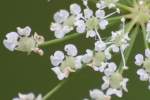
column 24, row 73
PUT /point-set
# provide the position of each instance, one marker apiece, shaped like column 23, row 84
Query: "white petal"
column 71, row 49
column 124, row 84
column 90, row 33
column 57, row 71
column 29, row 96
column 139, row 59
column 116, row 92
column 61, row 16
column 100, row 46
column 57, row 58
column 105, row 85
column 111, row 69
column 11, row 41
column 96, row 94
column 115, row 48
column 88, row 56
column 24, row 31
column 75, row 9
column 100, row 13
column 103, row 24
column 88, row 13
column 143, row 74
column 147, row 53
column 78, row 63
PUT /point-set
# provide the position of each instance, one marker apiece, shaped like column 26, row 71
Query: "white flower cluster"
column 29, row 96
column 88, row 21
column 64, row 64
column 144, row 61
column 23, row 41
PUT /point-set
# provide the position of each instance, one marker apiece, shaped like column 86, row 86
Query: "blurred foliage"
column 22, row 73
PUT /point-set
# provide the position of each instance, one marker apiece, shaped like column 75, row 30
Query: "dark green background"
column 22, row 73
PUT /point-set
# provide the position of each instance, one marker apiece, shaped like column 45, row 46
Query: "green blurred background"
column 24, row 73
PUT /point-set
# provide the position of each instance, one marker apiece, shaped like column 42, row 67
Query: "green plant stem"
column 50, row 42
column 144, row 35
column 74, row 35
column 124, row 7
column 51, row 92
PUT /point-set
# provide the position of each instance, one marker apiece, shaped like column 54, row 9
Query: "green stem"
column 144, row 35
column 114, row 18
column 124, row 7
column 50, row 42
column 51, row 92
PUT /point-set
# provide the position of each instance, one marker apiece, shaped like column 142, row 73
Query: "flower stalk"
column 51, row 92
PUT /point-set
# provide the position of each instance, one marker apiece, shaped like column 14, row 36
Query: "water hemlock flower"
column 144, row 62
column 114, row 84
column 65, row 64
column 29, row 96
column 23, row 41
column 88, row 21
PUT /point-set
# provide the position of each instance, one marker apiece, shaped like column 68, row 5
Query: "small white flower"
column 75, row 9
column 59, row 73
column 97, row 94
column 26, row 31
column 61, row 16
column 11, row 41
column 88, row 13
column 103, row 24
column 71, row 50
column 144, row 62
column 57, row 58
column 87, row 58
column 144, row 76
column 29, row 96
column 139, row 59
column 65, row 64
column 110, row 69
column 114, row 84
column 116, row 92
column 100, row 13
column 22, row 41
column 91, row 33
column 100, row 46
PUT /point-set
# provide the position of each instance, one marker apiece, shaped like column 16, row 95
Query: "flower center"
column 99, row 58
column 92, row 23
column 142, row 10
column 69, row 62
column 26, row 44
column 115, row 80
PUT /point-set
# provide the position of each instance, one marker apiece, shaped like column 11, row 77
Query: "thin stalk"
column 124, row 7
column 128, row 29
column 50, row 42
column 51, row 92
column 144, row 35
column 128, row 51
